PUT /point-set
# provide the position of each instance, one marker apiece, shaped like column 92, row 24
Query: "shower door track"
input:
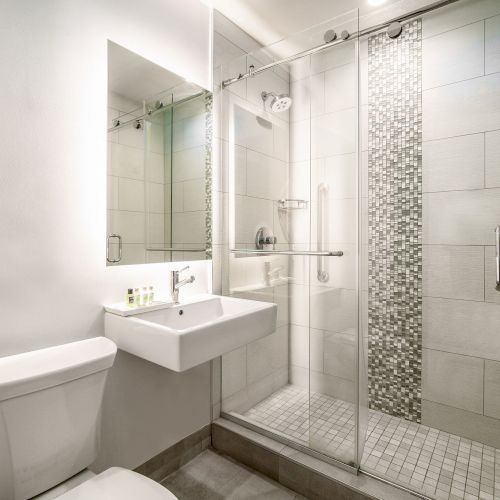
column 238, row 419
column 324, row 46
column 353, row 469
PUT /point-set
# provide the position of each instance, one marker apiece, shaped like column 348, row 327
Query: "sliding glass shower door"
column 289, row 142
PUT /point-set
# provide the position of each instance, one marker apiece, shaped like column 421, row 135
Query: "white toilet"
column 50, row 402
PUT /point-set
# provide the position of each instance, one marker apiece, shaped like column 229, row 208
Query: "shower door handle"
column 497, row 242
column 108, row 239
column 322, row 274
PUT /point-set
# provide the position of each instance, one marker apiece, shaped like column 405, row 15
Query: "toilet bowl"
column 117, row 483
column 50, row 402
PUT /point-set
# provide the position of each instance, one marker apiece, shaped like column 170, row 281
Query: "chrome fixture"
column 292, row 204
column 345, row 35
column 175, row 284
column 394, row 29
column 349, row 36
column 261, row 239
column 279, row 102
column 497, row 239
column 322, row 274
column 159, row 106
column 326, row 253
column 108, row 240
column 329, row 36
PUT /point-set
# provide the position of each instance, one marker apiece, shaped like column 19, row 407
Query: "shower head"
column 279, row 102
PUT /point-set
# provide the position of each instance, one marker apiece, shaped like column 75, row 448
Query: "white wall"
column 53, row 190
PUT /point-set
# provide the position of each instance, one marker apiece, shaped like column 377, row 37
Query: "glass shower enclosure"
column 362, row 196
column 291, row 140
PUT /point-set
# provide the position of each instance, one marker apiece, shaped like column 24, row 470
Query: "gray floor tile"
column 211, row 476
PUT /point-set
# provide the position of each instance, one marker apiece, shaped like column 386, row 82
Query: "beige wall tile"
column 464, row 389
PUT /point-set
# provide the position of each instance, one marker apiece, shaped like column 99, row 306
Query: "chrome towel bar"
column 334, row 253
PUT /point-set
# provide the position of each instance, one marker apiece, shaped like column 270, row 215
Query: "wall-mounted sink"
column 184, row 335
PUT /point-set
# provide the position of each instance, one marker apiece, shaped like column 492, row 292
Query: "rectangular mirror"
column 159, row 196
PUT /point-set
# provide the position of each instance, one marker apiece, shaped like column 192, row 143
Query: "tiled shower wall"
column 259, row 163
column 461, row 207
column 323, row 315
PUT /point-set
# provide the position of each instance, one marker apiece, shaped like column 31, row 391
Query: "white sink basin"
column 181, row 336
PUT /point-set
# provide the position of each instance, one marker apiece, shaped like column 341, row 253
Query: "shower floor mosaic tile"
column 439, row 464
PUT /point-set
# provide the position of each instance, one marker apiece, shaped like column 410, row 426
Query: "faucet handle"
column 183, row 269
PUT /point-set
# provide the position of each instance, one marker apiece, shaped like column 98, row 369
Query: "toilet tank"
column 50, row 405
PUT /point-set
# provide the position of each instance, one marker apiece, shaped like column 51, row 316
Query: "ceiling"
column 269, row 21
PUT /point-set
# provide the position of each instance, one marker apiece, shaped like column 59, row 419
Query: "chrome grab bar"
column 322, row 274
column 331, row 253
column 119, row 238
column 497, row 239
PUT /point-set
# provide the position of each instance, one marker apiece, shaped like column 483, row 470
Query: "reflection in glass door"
column 290, row 143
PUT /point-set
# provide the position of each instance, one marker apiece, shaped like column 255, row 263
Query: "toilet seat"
column 117, row 483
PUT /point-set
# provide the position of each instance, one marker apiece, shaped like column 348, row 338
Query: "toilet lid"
column 119, row 484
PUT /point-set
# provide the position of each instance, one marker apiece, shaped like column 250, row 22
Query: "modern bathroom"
column 251, row 250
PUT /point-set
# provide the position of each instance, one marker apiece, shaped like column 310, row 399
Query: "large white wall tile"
column 454, row 272
column 300, row 147
column 463, row 390
column 492, row 44
column 492, row 158
column 457, row 15
column 194, row 195
column 130, row 225
column 492, row 389
column 462, row 108
column 250, row 215
column 188, row 227
column 124, row 161
column 266, row 355
column 266, row 177
column 156, row 197
column 449, row 325
column 234, row 371
column 334, row 133
column 188, row 164
column 253, row 132
column 131, row 195
column 339, row 172
column 460, row 217
column 453, row 164
column 340, row 88
column 462, row 423
column 453, row 56
column 300, row 92
column 340, row 354
column 333, row 309
column 112, row 192
column 299, row 346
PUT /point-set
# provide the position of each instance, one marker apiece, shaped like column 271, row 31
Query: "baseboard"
column 173, row 458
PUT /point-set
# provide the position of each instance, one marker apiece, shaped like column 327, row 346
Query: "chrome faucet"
column 175, row 284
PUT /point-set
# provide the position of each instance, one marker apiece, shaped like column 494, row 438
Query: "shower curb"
column 298, row 471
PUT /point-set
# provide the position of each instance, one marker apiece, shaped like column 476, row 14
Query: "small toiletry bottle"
column 129, row 299
column 137, row 297
column 144, row 296
column 151, row 297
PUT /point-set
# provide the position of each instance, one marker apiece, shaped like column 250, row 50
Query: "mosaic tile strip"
column 208, row 173
column 395, row 227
